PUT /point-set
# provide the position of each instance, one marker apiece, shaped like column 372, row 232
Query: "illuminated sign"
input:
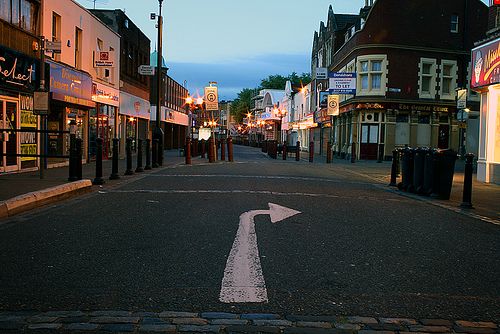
column 486, row 64
column 16, row 70
column 69, row 85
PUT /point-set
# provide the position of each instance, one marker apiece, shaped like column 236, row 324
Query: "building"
column 266, row 123
column 19, row 79
column 485, row 79
column 135, row 108
column 174, row 116
column 300, row 118
column 406, row 76
column 84, row 78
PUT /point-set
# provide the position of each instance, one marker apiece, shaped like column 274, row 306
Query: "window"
column 448, row 79
column 427, row 78
column 56, row 33
column 5, row 10
column 371, row 75
column 454, row 23
column 22, row 13
column 78, row 48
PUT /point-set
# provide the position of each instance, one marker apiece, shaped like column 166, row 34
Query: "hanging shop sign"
column 134, row 106
column 70, row 86
column 342, row 83
column 17, row 71
column 104, row 59
column 105, row 94
column 486, row 64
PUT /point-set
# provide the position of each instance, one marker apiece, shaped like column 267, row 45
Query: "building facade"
column 406, row 77
column 19, row 79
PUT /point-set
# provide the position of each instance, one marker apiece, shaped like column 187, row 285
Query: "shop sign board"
column 211, row 98
column 486, row 64
column 105, row 94
column 134, row 106
column 41, row 103
column 342, row 83
column 104, row 59
column 17, row 71
column 69, row 85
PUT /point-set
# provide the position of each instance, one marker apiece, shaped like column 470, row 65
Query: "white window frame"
column 453, row 76
column 432, row 85
column 383, row 75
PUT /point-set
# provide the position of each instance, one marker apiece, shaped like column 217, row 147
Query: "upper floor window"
column 22, row 13
column 56, row 33
column 372, row 74
column 454, row 23
column 448, row 79
column 427, row 78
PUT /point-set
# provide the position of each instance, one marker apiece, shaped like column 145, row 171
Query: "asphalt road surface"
column 162, row 241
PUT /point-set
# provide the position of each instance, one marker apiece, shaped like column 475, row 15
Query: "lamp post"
column 280, row 113
column 158, row 132
column 189, row 103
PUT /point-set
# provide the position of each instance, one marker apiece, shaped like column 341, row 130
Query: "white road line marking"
column 243, row 280
column 276, row 177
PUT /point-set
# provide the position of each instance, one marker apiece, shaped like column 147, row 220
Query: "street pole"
column 158, row 133
column 43, row 118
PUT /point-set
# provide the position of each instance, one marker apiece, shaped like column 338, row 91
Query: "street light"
column 280, row 113
column 158, row 132
column 189, row 103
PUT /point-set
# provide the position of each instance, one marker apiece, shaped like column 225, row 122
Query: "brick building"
column 409, row 59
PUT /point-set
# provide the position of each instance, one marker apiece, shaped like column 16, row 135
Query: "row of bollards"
column 429, row 172
column 98, row 180
column 191, row 149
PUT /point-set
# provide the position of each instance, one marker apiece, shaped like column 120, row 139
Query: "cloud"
column 232, row 76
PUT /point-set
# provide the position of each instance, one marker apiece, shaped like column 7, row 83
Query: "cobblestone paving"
column 220, row 322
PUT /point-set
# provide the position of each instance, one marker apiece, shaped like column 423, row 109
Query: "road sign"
column 41, row 103
column 211, row 98
column 53, row 46
column 146, row 70
column 321, row 73
column 333, row 105
column 243, row 280
column 462, row 99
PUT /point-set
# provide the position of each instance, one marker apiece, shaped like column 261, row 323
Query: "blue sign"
column 342, row 83
column 69, row 83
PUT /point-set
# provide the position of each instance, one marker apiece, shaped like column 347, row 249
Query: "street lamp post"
column 280, row 113
column 189, row 103
column 158, row 132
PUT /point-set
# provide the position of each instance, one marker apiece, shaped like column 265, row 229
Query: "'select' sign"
column 17, row 71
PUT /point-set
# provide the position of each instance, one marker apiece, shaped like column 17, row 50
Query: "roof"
column 345, row 20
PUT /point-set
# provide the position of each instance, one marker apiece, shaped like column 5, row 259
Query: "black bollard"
column 155, row 154
column 72, row 158
column 222, row 149
column 283, row 150
column 297, row 151
column 467, row 194
column 380, row 153
column 187, row 151
column 230, row 149
column 128, row 151
column 203, row 148
column 160, row 153
column 114, row 163
column 329, row 153
column 78, row 158
column 394, row 168
column 311, row 151
column 98, row 180
column 139, row 168
column 148, row 155
column 353, row 153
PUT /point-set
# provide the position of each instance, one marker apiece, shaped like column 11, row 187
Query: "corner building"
column 409, row 60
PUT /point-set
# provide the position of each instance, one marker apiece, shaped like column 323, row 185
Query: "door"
column 369, row 142
column 443, row 136
column 9, row 140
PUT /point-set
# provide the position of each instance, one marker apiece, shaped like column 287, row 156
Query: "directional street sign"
column 146, row 70
column 53, row 46
column 243, row 280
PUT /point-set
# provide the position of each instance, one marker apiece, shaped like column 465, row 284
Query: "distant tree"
column 278, row 81
column 242, row 104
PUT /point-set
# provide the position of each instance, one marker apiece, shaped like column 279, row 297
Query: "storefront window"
column 5, row 10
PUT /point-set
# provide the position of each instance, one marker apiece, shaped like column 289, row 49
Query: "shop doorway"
column 9, row 139
column 443, row 136
column 369, row 142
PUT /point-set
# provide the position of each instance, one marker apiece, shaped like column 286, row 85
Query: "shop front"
column 486, row 81
column 102, row 119
column 18, row 123
column 135, row 113
column 71, row 99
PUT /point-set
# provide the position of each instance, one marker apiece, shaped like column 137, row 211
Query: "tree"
column 278, row 81
column 242, row 104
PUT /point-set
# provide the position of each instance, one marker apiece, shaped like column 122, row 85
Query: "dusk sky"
column 234, row 42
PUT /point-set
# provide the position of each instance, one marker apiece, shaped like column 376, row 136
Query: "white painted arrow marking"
column 243, row 281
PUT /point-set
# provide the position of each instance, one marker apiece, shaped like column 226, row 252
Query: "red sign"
column 486, row 64
column 496, row 2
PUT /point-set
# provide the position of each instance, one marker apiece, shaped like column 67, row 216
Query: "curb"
column 36, row 199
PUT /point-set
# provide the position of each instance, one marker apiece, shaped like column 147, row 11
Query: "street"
column 162, row 241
